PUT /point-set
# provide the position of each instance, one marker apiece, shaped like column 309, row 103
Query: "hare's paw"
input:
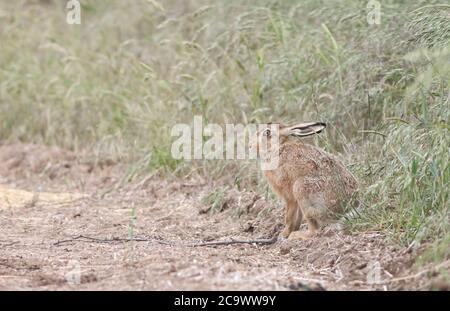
column 301, row 235
column 285, row 233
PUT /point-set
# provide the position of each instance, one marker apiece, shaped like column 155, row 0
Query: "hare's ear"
column 306, row 129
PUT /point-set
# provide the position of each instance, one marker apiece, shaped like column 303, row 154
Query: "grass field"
column 117, row 83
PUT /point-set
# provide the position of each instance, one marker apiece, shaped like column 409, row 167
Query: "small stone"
column 285, row 248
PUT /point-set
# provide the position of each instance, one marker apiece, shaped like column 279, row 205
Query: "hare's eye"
column 266, row 133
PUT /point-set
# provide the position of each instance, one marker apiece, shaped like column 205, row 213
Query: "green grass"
column 117, row 84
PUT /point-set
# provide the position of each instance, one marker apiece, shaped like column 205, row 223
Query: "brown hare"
column 313, row 183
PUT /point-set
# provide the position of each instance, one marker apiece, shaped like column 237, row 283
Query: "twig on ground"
column 83, row 238
column 256, row 241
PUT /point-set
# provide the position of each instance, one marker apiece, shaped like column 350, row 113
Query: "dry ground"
column 48, row 197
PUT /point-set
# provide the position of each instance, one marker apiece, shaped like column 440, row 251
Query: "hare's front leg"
column 293, row 218
column 313, row 227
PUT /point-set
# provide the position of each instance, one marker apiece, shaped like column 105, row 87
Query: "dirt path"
column 48, row 196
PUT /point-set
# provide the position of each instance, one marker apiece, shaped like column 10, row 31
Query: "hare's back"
column 315, row 164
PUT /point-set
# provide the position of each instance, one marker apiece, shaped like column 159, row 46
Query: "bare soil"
column 61, row 216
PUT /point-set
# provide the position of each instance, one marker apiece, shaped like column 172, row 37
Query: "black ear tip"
column 322, row 124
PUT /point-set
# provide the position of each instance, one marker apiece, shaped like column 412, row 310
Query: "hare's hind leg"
column 293, row 218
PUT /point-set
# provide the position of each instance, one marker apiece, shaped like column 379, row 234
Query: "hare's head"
column 273, row 135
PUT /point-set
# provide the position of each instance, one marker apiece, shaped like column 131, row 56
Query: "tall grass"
column 121, row 80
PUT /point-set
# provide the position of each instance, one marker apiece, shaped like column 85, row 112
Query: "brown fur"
column 313, row 183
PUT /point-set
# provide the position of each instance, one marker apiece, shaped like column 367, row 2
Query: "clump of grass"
column 215, row 200
column 406, row 180
column 406, row 189
column 430, row 26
